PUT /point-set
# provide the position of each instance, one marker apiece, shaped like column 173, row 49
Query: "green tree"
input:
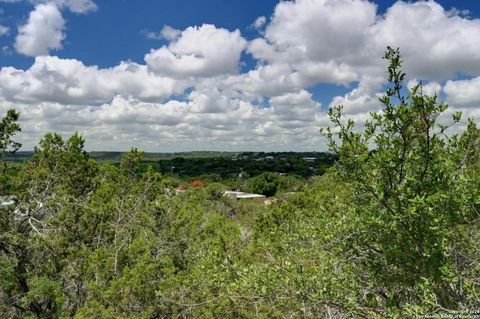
column 46, row 224
column 61, row 166
column 8, row 128
column 413, row 188
column 130, row 163
column 265, row 183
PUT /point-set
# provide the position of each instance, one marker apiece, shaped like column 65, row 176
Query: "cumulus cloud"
column 463, row 92
column 175, row 125
column 295, row 107
column 326, row 41
column 69, row 81
column 351, row 32
column 44, row 31
column 318, row 30
column 437, row 44
column 362, row 99
column 199, row 51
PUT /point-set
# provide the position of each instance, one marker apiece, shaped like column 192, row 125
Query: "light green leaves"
column 408, row 188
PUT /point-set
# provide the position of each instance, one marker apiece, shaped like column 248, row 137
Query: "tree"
column 266, row 184
column 130, row 163
column 54, row 189
column 61, row 167
column 8, row 128
column 412, row 185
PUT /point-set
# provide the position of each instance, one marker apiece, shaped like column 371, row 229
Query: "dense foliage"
column 391, row 231
column 248, row 165
column 236, row 170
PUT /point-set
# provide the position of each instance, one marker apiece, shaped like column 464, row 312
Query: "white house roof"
column 243, row 195
column 247, row 195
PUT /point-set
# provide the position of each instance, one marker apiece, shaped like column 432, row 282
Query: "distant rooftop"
column 243, row 195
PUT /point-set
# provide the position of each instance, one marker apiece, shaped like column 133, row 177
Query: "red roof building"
column 196, row 183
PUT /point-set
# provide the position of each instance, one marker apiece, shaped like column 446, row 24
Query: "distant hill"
column 104, row 156
column 19, row 156
column 115, row 156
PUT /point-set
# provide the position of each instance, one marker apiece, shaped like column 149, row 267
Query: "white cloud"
column 362, row 99
column 151, row 35
column 69, row 81
column 296, row 107
column 167, row 33
column 436, row 44
column 326, row 41
column 42, row 32
column 259, row 22
column 430, row 88
column 4, row 30
column 319, row 30
column 76, row 6
column 463, row 92
column 170, row 126
column 170, row 34
column 199, row 51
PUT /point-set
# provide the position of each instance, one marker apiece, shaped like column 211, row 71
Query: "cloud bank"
column 191, row 93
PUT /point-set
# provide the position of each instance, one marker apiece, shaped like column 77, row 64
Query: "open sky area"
column 183, row 75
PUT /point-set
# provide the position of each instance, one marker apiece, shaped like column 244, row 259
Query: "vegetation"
column 8, row 147
column 390, row 231
column 220, row 165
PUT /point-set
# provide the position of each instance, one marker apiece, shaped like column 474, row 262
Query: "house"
column 232, row 194
column 195, row 183
column 243, row 195
column 310, row 159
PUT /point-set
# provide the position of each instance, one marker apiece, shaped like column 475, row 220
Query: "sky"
column 240, row 75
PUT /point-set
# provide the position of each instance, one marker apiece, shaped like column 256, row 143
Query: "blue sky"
column 103, row 68
column 113, row 33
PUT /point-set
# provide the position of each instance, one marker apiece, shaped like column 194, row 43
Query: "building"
column 243, row 195
column 195, row 183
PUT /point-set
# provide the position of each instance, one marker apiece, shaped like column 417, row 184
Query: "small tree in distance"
column 8, row 128
column 412, row 185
